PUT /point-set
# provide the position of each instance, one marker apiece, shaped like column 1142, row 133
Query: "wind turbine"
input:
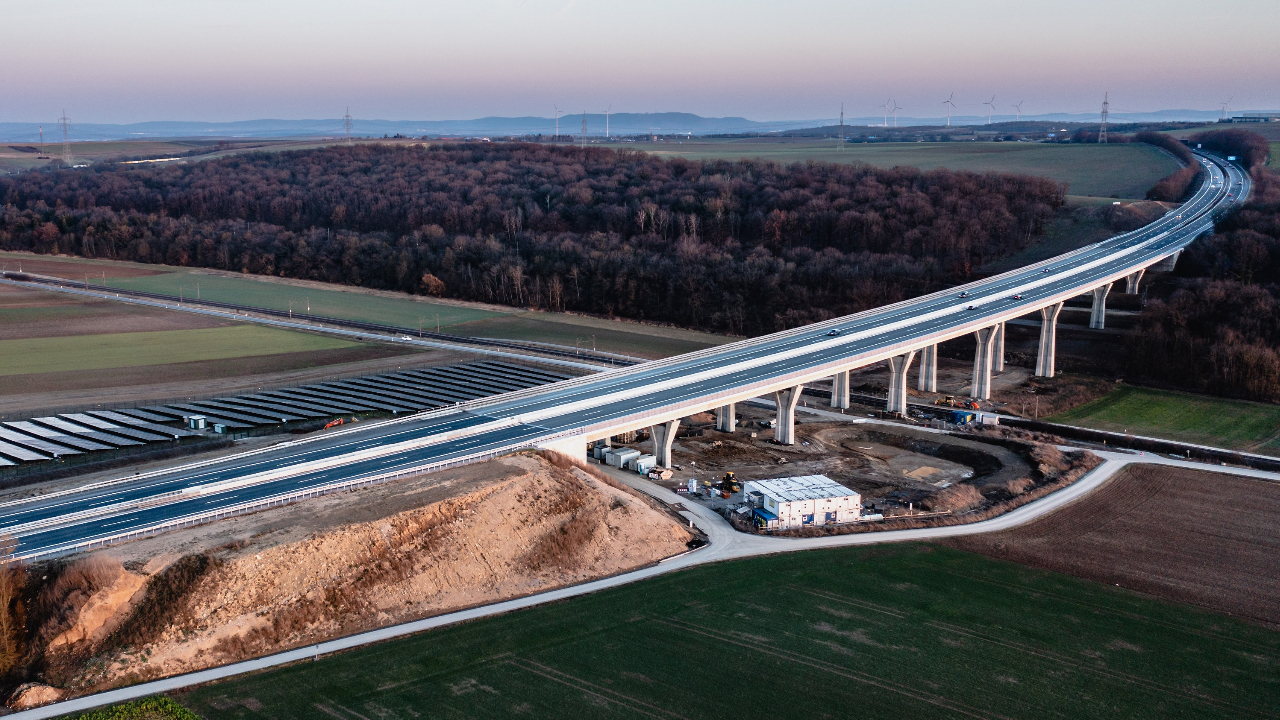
column 992, row 103
column 896, row 108
column 1018, row 108
column 1226, row 107
column 606, row 121
column 950, row 106
column 886, row 112
column 557, row 123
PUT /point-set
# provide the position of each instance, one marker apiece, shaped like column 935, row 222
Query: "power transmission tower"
column 1102, row 132
column 346, row 124
column 840, row 145
column 66, row 143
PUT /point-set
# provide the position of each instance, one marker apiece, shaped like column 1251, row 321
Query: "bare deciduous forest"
column 745, row 247
column 1218, row 330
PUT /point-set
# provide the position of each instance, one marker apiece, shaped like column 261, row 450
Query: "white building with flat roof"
column 786, row 503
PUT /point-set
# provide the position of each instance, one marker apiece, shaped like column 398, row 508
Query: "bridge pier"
column 784, row 431
column 1169, row 263
column 663, row 435
column 840, row 390
column 727, row 418
column 982, row 355
column 1131, row 281
column 1048, row 339
column 997, row 352
column 1098, row 316
column 928, row 369
column 898, row 366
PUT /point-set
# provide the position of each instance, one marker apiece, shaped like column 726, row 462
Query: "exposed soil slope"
column 544, row 526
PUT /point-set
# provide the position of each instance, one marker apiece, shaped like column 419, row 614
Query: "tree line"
column 744, row 247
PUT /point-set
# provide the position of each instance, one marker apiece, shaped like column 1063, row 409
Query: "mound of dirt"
column 549, row 525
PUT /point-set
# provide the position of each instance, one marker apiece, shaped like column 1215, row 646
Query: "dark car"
column 832, row 333
column 964, row 294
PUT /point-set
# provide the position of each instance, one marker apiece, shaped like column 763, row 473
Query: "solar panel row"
column 46, row 438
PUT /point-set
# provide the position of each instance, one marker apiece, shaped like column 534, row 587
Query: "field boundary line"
column 834, row 669
column 855, row 603
column 587, row 686
column 1107, row 610
column 1105, row 672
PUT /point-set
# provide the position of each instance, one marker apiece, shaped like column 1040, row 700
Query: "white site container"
column 797, row 499
column 598, row 451
column 197, row 422
column 618, row 457
column 643, row 464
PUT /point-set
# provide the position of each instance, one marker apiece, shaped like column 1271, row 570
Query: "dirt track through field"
column 1186, row 535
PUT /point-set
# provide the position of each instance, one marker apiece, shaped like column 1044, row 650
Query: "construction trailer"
column 642, row 463
column 619, row 457
column 794, row 502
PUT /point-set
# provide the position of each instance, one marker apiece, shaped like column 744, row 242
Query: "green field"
column 99, row 352
column 903, row 631
column 1235, row 424
column 1125, row 171
column 401, row 310
column 1274, row 160
column 336, row 303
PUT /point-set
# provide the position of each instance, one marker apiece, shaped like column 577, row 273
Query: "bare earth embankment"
column 213, row 595
column 1186, row 535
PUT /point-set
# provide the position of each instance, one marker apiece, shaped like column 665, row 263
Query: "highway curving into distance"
column 570, row 413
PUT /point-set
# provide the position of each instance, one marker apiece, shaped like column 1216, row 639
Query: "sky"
column 116, row 61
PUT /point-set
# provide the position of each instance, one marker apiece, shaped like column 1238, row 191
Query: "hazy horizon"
column 144, row 60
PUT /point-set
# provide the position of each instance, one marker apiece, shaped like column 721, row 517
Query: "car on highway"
column 964, row 294
column 972, row 307
column 832, row 333
column 1046, row 270
column 1015, row 297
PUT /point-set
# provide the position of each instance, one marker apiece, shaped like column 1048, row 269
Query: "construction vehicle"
column 729, row 483
column 950, row 401
column 334, row 423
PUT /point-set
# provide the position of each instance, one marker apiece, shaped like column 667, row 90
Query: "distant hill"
column 619, row 124
column 668, row 123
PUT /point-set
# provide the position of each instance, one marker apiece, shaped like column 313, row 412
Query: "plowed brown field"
column 1194, row 536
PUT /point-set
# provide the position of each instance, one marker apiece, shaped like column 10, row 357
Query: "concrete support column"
column 727, row 418
column 1131, row 281
column 663, row 435
column 840, row 390
column 1048, row 339
column 997, row 353
column 1169, row 263
column 898, row 382
column 981, row 389
column 784, row 431
column 1098, row 317
column 928, row 369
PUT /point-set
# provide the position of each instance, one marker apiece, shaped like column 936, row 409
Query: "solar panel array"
column 58, row 436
